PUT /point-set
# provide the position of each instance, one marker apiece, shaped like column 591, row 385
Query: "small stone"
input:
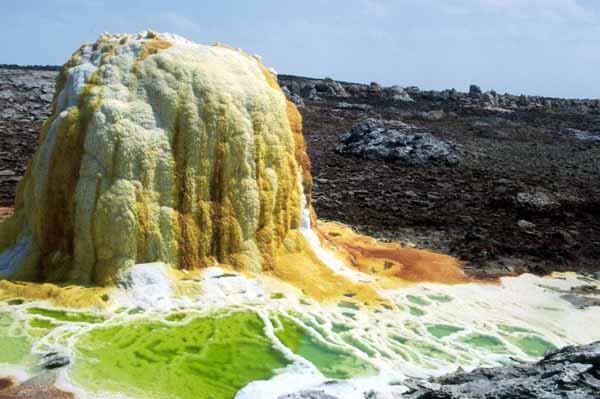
column 308, row 395
column 525, row 225
column 435, row 115
column 7, row 172
column 398, row 93
column 536, row 201
column 54, row 360
column 360, row 107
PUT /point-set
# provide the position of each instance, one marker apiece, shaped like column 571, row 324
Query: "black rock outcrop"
column 571, row 372
column 396, row 141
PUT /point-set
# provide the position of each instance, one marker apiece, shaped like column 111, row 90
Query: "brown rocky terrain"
column 524, row 194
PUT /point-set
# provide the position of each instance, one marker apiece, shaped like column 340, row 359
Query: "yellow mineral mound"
column 157, row 149
column 163, row 150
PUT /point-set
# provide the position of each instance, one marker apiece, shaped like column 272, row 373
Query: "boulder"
column 571, row 372
column 396, row 141
column 475, row 92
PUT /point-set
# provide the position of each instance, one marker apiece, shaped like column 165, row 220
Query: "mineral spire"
column 158, row 149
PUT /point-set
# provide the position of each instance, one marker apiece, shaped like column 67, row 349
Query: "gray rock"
column 475, row 91
column 537, row 201
column 581, row 302
column 397, row 93
column 326, row 89
column 6, row 94
column 293, row 97
column 373, row 394
column 571, row 372
column 412, row 90
column 525, row 225
column 308, row 395
column 54, row 360
column 46, row 97
column 434, row 115
column 489, row 100
column 581, row 135
column 308, row 90
column 335, row 87
column 360, row 107
column 397, row 141
column 523, row 101
column 312, row 95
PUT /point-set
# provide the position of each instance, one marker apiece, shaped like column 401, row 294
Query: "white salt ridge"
column 147, row 285
column 295, row 379
column 327, row 257
column 229, row 290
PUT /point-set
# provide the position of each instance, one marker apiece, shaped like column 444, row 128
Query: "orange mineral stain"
column 298, row 265
column 391, row 261
column 5, row 213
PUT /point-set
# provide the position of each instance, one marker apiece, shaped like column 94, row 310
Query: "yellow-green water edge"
column 208, row 357
column 202, row 347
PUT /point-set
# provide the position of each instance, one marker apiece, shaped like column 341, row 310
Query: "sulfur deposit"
column 158, row 149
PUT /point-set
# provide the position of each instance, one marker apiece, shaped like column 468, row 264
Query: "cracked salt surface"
column 466, row 325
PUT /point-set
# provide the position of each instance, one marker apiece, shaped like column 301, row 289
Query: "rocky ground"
column 571, row 372
column 507, row 183
column 25, row 102
column 524, row 194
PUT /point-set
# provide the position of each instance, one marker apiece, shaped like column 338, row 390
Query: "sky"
column 535, row 47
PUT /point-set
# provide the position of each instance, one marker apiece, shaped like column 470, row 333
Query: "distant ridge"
column 31, row 67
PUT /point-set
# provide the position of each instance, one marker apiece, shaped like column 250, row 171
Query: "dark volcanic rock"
column 475, row 91
column 54, row 360
column 571, row 372
column 397, row 141
column 25, row 101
